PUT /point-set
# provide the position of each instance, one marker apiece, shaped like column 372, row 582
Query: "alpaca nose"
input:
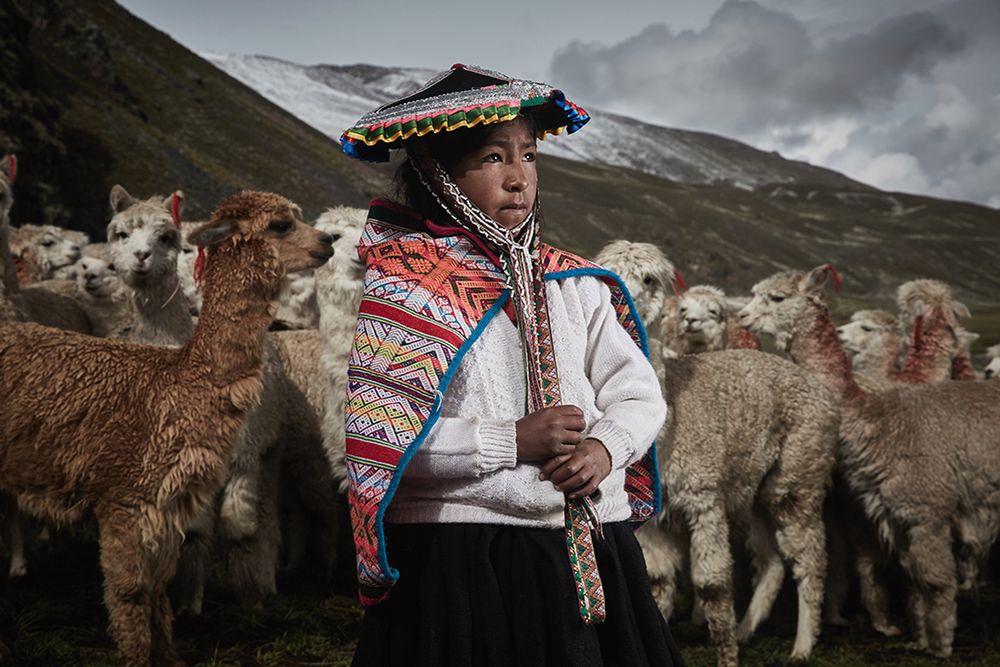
column 326, row 238
column 142, row 254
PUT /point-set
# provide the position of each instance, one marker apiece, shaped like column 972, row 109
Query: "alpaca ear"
column 175, row 204
column 296, row 210
column 813, row 282
column 120, row 199
column 962, row 311
column 214, row 232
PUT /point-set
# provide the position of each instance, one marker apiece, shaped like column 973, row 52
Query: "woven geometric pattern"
column 424, row 298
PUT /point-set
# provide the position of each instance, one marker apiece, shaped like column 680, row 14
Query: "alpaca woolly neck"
column 929, row 355
column 162, row 312
column 242, row 284
column 816, row 346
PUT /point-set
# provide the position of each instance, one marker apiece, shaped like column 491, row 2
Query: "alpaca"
column 102, row 294
column 145, row 243
column 766, row 469
column 992, row 370
column 297, row 308
column 918, row 493
column 185, row 267
column 40, row 250
column 339, row 286
column 871, row 339
column 928, row 310
column 31, row 304
column 705, row 322
column 146, row 461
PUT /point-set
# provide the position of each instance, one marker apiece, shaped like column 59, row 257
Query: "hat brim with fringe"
column 460, row 97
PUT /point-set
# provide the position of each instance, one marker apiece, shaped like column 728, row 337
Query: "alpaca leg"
column 164, row 651
column 801, row 539
column 932, row 568
column 240, row 495
column 663, row 561
column 769, row 572
column 252, row 561
column 188, row 585
column 127, row 582
column 711, row 572
column 874, row 596
column 13, row 538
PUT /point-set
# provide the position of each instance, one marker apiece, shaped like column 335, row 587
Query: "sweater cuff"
column 616, row 440
column 498, row 445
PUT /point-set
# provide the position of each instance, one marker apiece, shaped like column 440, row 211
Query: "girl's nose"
column 516, row 180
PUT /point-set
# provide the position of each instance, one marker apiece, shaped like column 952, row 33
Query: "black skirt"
column 489, row 595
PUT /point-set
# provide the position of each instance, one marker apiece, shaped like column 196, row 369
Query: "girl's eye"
column 493, row 157
column 529, row 157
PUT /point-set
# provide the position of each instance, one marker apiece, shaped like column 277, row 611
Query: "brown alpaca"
column 923, row 460
column 140, row 437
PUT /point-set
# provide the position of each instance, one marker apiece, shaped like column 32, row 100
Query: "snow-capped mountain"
column 331, row 98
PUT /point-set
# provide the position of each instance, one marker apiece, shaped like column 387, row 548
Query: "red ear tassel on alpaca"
column 679, row 285
column 918, row 331
column 11, row 168
column 175, row 209
column 836, row 277
column 199, row 268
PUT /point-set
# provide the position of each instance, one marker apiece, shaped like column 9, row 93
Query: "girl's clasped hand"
column 574, row 464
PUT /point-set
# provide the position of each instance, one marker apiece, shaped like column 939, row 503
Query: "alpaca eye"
column 48, row 243
column 111, row 267
column 280, row 226
column 867, row 328
column 777, row 299
column 121, row 236
column 167, row 239
column 714, row 314
column 648, row 280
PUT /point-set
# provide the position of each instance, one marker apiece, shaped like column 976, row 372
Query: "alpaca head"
column 701, row 317
column 869, row 330
column 648, row 274
column 96, row 278
column 928, row 306
column 144, row 236
column 269, row 222
column 780, row 303
column 185, row 266
column 992, row 371
column 45, row 248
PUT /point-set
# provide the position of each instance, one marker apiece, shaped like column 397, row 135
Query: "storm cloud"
column 902, row 99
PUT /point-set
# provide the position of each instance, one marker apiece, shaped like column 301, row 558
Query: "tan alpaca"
column 748, row 443
column 41, row 250
column 928, row 320
column 705, row 321
column 140, row 437
column 924, row 460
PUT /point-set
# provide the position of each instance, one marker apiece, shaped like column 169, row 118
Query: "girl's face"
column 499, row 176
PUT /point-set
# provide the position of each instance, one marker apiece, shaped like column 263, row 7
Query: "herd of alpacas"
column 180, row 389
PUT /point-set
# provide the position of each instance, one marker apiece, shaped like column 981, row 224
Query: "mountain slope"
column 134, row 107
column 331, row 98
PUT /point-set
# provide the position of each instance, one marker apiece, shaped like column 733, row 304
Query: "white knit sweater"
column 467, row 469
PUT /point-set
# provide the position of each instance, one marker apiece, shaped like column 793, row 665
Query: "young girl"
column 500, row 408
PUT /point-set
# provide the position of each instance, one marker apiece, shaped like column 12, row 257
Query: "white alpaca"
column 749, row 440
column 992, row 370
column 103, row 296
column 704, row 320
column 41, row 250
column 339, row 286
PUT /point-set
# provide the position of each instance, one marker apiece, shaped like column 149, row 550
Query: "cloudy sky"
column 902, row 94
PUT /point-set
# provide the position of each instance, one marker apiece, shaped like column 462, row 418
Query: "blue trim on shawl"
column 643, row 338
column 383, row 557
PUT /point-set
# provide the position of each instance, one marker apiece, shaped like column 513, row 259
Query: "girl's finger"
column 552, row 464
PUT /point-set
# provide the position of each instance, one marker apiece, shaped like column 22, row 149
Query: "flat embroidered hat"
column 460, row 97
